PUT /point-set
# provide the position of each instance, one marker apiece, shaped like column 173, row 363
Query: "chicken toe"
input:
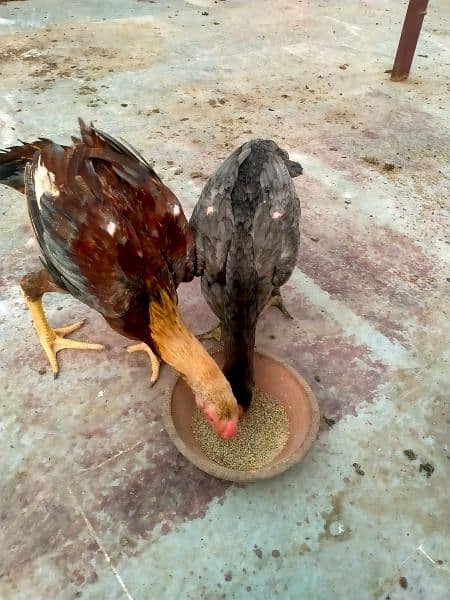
column 277, row 301
column 53, row 340
column 154, row 360
column 212, row 334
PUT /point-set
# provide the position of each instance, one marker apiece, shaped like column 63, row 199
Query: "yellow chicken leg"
column 53, row 340
column 154, row 360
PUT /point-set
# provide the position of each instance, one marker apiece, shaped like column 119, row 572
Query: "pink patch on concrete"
column 381, row 275
column 342, row 375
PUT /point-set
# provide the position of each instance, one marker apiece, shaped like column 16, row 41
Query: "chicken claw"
column 277, row 300
column 154, row 360
column 212, row 334
column 53, row 340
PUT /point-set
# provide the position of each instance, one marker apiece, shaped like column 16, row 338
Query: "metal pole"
column 417, row 9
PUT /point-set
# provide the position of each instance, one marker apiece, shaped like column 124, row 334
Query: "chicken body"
column 116, row 238
column 246, row 226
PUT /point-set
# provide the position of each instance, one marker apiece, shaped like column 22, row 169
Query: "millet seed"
column 262, row 434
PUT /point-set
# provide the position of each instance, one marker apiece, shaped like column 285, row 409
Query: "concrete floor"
column 95, row 501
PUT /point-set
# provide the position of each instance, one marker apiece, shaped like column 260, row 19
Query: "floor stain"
column 334, row 528
column 80, row 52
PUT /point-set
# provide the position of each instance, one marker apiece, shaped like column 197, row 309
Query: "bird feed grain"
column 262, row 434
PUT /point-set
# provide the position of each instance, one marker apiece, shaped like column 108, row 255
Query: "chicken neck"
column 179, row 348
column 238, row 335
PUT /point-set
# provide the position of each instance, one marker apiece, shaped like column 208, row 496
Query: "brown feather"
column 113, row 234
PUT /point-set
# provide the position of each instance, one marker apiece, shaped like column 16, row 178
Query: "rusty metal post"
column 417, row 9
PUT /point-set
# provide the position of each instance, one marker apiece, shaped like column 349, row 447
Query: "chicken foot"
column 213, row 334
column 34, row 286
column 277, row 301
column 154, row 360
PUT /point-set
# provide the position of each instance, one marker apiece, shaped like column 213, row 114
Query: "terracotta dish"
column 284, row 385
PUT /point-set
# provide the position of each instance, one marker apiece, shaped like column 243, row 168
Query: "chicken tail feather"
column 14, row 160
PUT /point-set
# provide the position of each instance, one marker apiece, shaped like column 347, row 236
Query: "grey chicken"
column 246, row 227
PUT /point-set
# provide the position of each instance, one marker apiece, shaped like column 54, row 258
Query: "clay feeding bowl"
column 284, row 385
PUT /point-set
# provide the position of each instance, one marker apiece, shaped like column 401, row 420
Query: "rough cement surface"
column 94, row 501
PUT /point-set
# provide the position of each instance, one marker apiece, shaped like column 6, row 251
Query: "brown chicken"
column 116, row 238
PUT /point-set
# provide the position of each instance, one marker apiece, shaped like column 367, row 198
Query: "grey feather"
column 275, row 241
column 246, row 227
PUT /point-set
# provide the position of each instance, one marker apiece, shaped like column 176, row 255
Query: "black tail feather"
column 14, row 160
column 11, row 174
